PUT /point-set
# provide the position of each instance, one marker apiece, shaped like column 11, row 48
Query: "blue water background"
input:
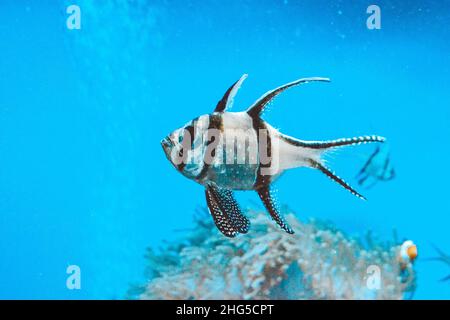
column 83, row 179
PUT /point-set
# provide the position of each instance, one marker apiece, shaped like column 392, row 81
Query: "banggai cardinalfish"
column 226, row 151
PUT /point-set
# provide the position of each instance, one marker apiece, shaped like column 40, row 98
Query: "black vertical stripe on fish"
column 182, row 165
column 229, row 206
column 363, row 179
column 377, row 167
column 190, row 131
column 267, row 197
column 258, row 107
column 183, row 156
column 221, row 218
column 368, row 162
column 332, row 143
column 215, row 123
column 385, row 167
column 262, row 179
column 336, row 178
column 227, row 101
column 388, row 174
column 186, row 145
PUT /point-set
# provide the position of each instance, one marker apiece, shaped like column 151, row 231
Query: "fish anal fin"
column 268, row 199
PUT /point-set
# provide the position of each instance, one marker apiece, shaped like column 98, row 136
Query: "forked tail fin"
column 329, row 173
column 334, row 143
column 321, row 147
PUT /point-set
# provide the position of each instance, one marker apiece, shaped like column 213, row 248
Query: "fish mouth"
column 166, row 143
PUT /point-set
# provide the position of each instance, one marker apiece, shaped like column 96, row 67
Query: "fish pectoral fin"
column 268, row 199
column 227, row 100
column 336, row 178
column 226, row 212
column 257, row 108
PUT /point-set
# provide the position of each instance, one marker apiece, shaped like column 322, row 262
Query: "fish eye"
column 180, row 138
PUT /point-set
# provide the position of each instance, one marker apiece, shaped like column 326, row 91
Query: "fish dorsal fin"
column 258, row 107
column 227, row 101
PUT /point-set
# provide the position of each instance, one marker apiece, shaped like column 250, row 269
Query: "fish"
column 228, row 151
column 407, row 253
column 378, row 167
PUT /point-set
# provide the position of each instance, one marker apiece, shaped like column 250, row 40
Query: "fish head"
column 183, row 148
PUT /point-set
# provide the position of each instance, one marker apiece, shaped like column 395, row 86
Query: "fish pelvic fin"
column 221, row 218
column 225, row 211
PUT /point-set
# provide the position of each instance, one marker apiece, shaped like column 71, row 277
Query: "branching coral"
column 317, row 262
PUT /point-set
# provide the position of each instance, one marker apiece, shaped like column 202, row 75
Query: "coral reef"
column 317, row 262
